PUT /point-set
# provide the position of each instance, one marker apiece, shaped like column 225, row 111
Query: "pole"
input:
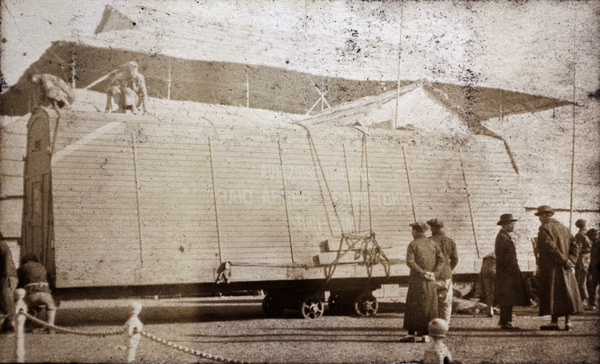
column 573, row 118
column 395, row 121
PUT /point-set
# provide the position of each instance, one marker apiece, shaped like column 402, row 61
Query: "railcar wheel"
column 270, row 307
column 366, row 304
column 312, row 308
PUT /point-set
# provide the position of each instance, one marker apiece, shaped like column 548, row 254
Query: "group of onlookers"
column 32, row 277
column 566, row 280
column 431, row 261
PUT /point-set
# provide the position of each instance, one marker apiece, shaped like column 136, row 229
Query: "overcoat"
column 558, row 290
column 423, row 255
column 509, row 289
column 7, row 270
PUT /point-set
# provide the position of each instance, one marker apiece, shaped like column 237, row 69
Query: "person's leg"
column 568, row 325
column 7, row 304
column 505, row 314
column 444, row 291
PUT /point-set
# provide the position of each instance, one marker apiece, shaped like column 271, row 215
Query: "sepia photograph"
column 300, row 181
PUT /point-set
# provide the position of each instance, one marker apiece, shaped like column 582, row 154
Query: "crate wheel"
column 312, row 308
column 366, row 304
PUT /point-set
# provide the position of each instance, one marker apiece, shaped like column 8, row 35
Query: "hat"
column 420, row 226
column 435, row 223
column 580, row 223
column 545, row 210
column 506, row 219
column 438, row 328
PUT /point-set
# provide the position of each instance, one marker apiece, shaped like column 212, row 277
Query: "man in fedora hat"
column 558, row 292
column 423, row 257
column 444, row 278
column 509, row 289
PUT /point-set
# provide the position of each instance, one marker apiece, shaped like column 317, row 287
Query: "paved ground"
column 235, row 328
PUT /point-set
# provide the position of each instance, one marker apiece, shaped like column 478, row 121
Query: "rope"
column 314, row 149
column 187, row 350
column 71, row 331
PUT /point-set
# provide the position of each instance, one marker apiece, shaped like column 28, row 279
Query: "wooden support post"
column 133, row 331
column 287, row 214
column 462, row 167
column 19, row 318
column 212, row 174
column 137, row 198
column 412, row 202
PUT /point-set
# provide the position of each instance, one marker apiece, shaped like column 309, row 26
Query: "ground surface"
column 235, row 328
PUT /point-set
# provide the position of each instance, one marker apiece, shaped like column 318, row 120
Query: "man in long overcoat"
column 8, row 284
column 423, row 257
column 559, row 295
column 509, row 290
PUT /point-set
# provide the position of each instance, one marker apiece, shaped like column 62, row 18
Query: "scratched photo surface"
column 234, row 181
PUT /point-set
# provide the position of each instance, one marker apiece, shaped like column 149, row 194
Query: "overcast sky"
column 531, row 47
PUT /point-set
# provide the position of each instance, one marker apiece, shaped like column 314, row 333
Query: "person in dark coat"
column 594, row 270
column 584, row 247
column 8, row 284
column 558, row 292
column 509, row 289
column 423, row 257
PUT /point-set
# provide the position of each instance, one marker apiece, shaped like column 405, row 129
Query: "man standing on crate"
column 444, row 276
column 8, row 284
column 33, row 277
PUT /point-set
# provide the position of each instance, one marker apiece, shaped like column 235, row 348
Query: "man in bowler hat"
column 509, row 290
column 558, row 292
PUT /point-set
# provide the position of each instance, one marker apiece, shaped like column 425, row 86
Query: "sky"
column 540, row 47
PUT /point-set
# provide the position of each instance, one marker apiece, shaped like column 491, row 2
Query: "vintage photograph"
column 300, row 181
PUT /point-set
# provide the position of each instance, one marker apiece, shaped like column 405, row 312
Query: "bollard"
column 437, row 352
column 133, row 330
column 20, row 309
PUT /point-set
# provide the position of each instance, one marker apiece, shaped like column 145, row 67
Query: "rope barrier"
column 132, row 330
column 184, row 349
column 71, row 331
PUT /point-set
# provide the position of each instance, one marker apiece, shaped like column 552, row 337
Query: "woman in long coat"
column 423, row 257
column 559, row 294
column 509, row 289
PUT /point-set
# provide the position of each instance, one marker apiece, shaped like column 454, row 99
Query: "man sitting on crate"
column 33, row 277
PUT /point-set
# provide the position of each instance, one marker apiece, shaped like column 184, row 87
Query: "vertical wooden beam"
column 462, row 167
column 412, row 202
column 137, row 197
column 287, row 215
column 212, row 174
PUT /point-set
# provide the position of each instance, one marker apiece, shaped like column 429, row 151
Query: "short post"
column 133, row 331
column 20, row 309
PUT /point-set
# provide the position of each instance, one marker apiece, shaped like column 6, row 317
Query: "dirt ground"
column 235, row 328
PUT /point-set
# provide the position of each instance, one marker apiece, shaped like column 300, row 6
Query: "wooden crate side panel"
column 493, row 193
column 95, row 214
